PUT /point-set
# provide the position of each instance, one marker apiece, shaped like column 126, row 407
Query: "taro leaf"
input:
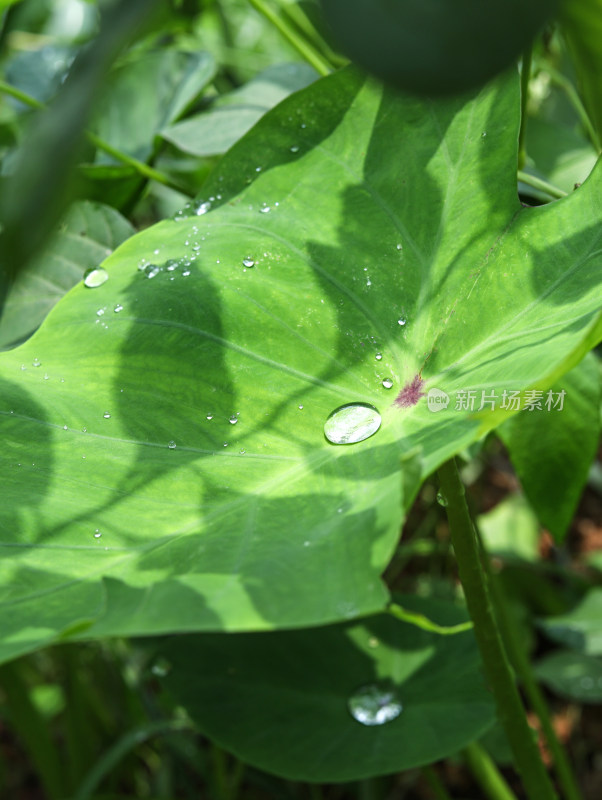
column 215, row 130
column 376, row 225
column 580, row 628
column 552, row 449
column 146, row 95
column 573, row 675
column 89, row 233
column 280, row 700
column 510, row 530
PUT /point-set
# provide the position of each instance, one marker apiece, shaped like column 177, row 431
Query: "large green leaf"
column 580, row 628
column 281, row 701
column 377, row 226
column 573, row 675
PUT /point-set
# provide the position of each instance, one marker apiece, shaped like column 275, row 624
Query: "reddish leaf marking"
column 411, row 393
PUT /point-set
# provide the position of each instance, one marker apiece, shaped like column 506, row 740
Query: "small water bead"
column 36, row 363
column 100, row 312
column 171, row 265
column 46, row 376
column 97, row 534
column 352, row 423
column 142, row 264
column 374, row 704
column 301, row 408
column 118, row 308
column 152, row 270
column 209, row 416
column 378, row 356
column 387, row 383
column 95, row 276
column 242, row 452
column 172, row 445
column 442, row 499
column 106, row 415
column 401, row 321
column 399, row 246
column 65, row 427
column 161, row 668
column 248, row 262
column 264, row 210
column 23, row 366
column 294, row 148
column 233, row 419
column 185, row 273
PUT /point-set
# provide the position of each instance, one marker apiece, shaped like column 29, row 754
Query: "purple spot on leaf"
column 411, row 393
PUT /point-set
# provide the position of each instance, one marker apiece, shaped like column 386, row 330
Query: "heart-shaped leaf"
column 164, row 437
column 380, row 696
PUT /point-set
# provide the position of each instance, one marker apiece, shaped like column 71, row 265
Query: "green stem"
column 420, row 621
column 525, row 75
column 309, row 53
column 120, row 749
column 495, row 661
column 521, row 664
column 487, row 774
column 435, row 784
column 542, row 186
column 141, row 168
column 573, row 96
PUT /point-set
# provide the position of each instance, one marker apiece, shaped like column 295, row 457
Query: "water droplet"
column 203, row 208
column 301, row 408
column 161, row 668
column 399, row 246
column 97, row 534
column 387, row 383
column 36, row 363
column 46, row 376
column 100, row 312
column 172, row 445
column 378, row 356
column 374, row 704
column 209, row 416
column 65, row 428
column 242, row 452
column 95, row 276
column 265, row 210
column 106, row 415
column 294, row 148
column 185, row 273
column 23, row 366
column 442, row 499
column 401, row 321
column 484, row 134
column 171, row 265
column 118, row 308
column 248, row 262
column 142, row 264
column 352, row 423
column 233, row 419
column 151, row 270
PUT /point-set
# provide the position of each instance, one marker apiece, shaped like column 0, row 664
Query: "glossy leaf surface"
column 355, row 247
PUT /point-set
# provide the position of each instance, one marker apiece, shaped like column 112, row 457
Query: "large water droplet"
column 387, row 383
column 375, row 704
column 352, row 423
column 95, row 276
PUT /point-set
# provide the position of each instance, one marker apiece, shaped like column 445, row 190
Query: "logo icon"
column 437, row 400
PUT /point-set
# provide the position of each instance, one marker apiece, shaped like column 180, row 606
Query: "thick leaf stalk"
column 495, row 660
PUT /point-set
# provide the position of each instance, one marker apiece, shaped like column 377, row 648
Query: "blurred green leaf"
column 511, row 529
column 436, row 47
column 579, row 629
column 89, row 233
column 214, row 131
column 576, row 676
column 552, row 450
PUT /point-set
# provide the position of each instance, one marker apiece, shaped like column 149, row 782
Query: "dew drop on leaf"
column 106, row 415
column 374, row 704
column 97, row 534
column 152, row 270
column 387, row 383
column 118, row 308
column 442, row 499
column 172, row 445
column 233, row 419
column 352, row 423
column 378, row 356
column 36, row 363
column 248, row 262
column 95, row 276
